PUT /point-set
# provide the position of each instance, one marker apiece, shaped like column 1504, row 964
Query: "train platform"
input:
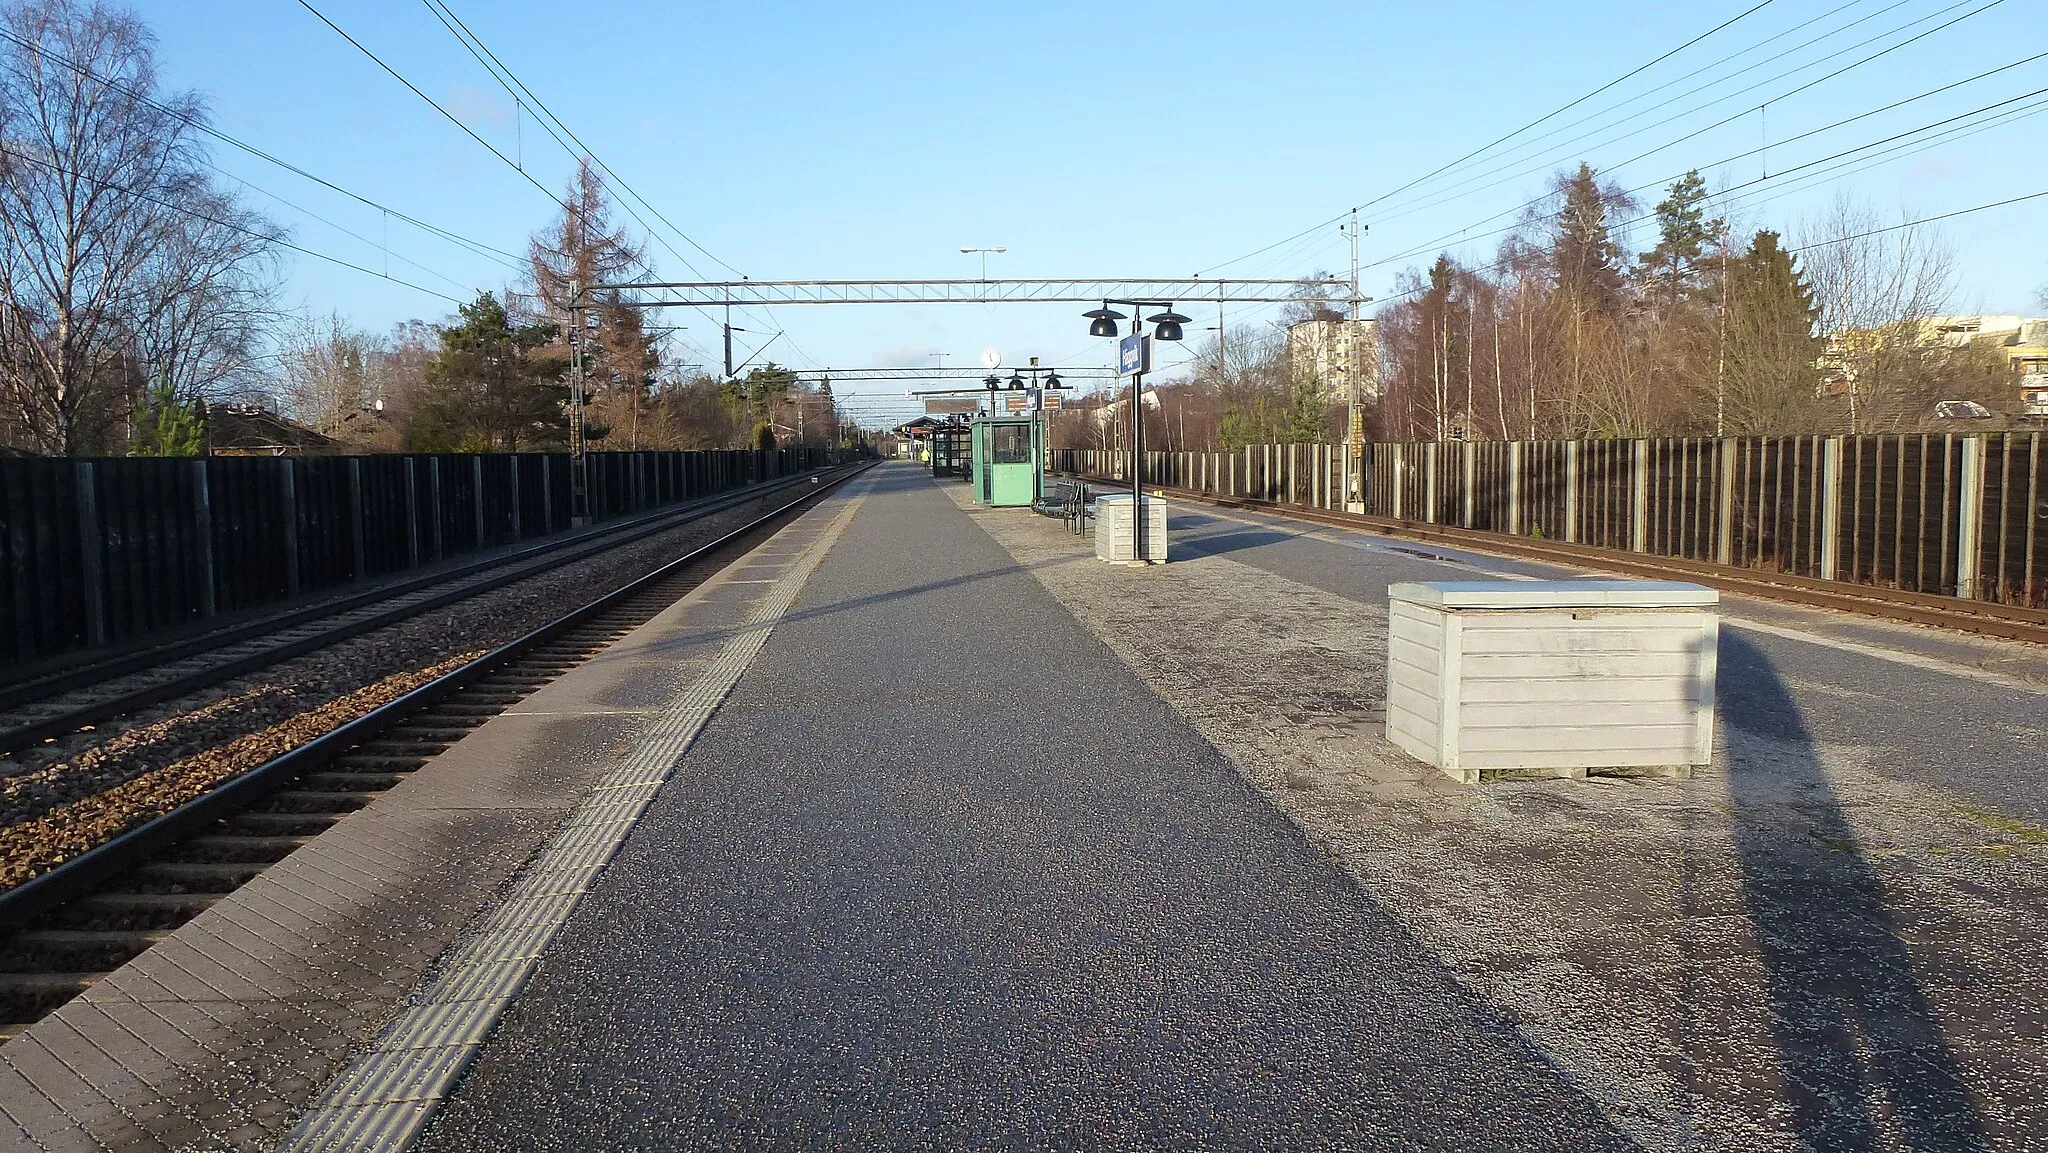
column 920, row 828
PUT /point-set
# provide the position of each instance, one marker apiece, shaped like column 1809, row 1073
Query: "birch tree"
column 119, row 262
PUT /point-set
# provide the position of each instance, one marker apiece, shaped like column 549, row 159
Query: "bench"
column 1068, row 500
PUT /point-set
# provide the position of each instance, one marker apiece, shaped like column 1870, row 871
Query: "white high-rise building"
column 1334, row 349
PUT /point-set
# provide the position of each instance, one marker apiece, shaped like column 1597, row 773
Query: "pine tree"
column 1772, row 345
column 168, row 426
column 493, row 383
column 1584, row 256
column 1670, row 272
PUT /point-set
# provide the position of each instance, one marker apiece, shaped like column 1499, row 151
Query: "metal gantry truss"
column 955, row 373
column 760, row 293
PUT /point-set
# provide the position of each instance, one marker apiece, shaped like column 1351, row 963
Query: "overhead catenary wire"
column 1498, row 266
column 499, row 70
column 1502, row 139
column 1639, row 70
column 431, row 102
column 1865, row 18
column 1421, row 204
column 212, row 219
column 1464, row 235
column 445, row 113
column 476, row 247
column 1785, row 140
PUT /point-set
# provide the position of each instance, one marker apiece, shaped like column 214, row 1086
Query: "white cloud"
column 905, row 356
column 478, row 106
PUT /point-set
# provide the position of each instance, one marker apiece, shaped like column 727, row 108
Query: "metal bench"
column 1068, row 500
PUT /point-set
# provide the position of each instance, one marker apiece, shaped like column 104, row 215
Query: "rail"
column 30, row 912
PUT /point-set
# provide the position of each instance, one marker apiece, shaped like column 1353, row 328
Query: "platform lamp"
column 1167, row 322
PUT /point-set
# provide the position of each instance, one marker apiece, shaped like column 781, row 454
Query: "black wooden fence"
column 101, row 551
column 1962, row 516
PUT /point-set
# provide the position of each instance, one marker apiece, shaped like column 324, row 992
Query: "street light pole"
column 984, row 260
column 1169, row 323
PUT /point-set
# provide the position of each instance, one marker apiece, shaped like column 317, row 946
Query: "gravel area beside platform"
column 1812, row 945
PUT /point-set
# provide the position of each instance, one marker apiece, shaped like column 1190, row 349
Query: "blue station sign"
column 1133, row 354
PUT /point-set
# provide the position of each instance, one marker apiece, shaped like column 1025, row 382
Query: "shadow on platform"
column 1226, row 542
column 1861, row 1052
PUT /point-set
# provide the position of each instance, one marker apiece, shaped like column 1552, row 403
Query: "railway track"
column 68, row 928
column 75, row 697
column 2007, row 622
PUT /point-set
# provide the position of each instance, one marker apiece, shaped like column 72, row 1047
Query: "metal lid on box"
column 1579, row 594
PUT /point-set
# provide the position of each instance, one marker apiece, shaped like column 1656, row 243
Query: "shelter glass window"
column 1011, row 444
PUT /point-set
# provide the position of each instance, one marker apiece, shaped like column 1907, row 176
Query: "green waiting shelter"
column 1009, row 456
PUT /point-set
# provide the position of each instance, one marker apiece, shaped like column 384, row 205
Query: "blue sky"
column 854, row 140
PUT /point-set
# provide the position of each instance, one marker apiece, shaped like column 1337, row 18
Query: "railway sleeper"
column 26, row 998
column 378, row 762
column 418, row 733
column 349, row 781
column 304, row 801
column 220, row 877
column 388, row 747
column 73, row 951
column 231, row 847
column 267, row 823
column 133, row 910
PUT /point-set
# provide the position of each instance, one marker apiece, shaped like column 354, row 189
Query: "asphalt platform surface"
column 941, row 873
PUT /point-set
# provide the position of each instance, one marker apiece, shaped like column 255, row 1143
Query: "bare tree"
column 324, row 365
column 1876, row 291
column 112, row 249
column 209, row 295
column 585, row 246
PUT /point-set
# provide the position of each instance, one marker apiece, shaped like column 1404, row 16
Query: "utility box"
column 1113, row 525
column 1552, row 678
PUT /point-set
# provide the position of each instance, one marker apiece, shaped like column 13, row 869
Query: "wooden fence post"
column 1400, row 468
column 1571, row 491
column 1471, row 468
column 288, row 476
column 1639, row 498
column 1830, row 507
column 1724, row 511
column 517, row 534
column 202, row 520
column 412, row 513
column 476, row 481
column 434, row 484
column 358, row 561
column 1430, row 452
column 1514, row 488
column 1969, row 517
column 92, row 545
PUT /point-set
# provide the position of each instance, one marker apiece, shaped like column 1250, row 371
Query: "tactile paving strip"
column 388, row 1093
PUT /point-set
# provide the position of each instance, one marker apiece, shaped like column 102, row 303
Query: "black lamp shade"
column 1103, row 321
column 1169, row 325
column 1052, row 380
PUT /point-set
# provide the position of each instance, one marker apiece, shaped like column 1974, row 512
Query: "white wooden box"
column 1552, row 678
column 1113, row 528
